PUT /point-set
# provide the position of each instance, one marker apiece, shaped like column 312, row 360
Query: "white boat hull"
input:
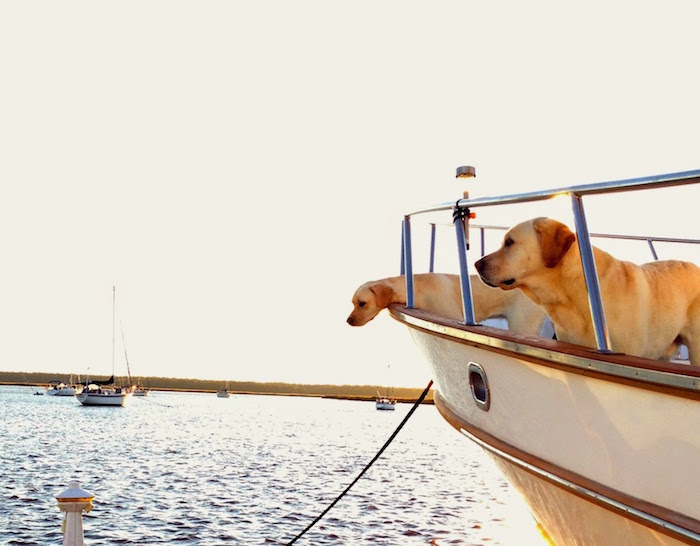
column 599, row 459
column 385, row 405
column 64, row 391
column 105, row 398
column 573, row 520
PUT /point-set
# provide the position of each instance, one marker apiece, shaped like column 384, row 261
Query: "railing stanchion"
column 403, row 253
column 467, row 305
column 408, row 261
column 432, row 248
column 653, row 250
column 595, row 300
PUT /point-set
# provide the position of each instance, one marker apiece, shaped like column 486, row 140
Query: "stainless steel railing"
column 461, row 217
column 483, row 229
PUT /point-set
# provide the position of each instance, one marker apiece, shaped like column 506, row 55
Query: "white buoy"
column 74, row 501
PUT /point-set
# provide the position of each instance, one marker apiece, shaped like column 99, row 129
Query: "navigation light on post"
column 74, row 501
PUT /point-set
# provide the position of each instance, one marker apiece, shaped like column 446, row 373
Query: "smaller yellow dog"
column 440, row 293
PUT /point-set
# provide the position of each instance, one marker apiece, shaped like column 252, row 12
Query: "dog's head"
column 527, row 248
column 368, row 300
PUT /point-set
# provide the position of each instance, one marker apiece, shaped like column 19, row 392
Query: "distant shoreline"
column 340, row 392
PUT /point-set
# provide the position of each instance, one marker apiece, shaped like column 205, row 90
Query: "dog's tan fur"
column 649, row 308
column 440, row 293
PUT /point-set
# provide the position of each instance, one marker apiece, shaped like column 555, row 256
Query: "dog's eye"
column 508, row 242
column 361, row 303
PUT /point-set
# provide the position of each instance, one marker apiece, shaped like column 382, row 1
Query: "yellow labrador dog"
column 440, row 293
column 649, row 308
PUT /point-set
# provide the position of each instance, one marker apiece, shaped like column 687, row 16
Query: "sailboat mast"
column 126, row 357
column 114, row 302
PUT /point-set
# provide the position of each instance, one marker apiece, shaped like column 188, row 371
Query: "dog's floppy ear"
column 383, row 294
column 555, row 239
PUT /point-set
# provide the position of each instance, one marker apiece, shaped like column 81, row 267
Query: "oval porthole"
column 479, row 386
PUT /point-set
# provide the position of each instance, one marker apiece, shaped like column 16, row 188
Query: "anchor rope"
column 366, row 468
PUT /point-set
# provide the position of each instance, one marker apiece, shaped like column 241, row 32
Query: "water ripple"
column 195, row 469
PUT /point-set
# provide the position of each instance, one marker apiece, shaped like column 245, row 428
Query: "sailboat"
column 223, row 393
column 139, row 390
column 93, row 394
column 385, row 402
column 136, row 390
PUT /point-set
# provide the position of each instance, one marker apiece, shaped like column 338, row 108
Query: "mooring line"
column 366, row 468
column 146, row 399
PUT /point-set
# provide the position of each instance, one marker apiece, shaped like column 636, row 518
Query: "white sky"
column 238, row 168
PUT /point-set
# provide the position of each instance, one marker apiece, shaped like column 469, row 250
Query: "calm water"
column 197, row 469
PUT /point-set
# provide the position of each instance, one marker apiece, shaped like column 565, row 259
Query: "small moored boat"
column 140, row 391
column 58, row 388
column 223, row 393
column 384, row 403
